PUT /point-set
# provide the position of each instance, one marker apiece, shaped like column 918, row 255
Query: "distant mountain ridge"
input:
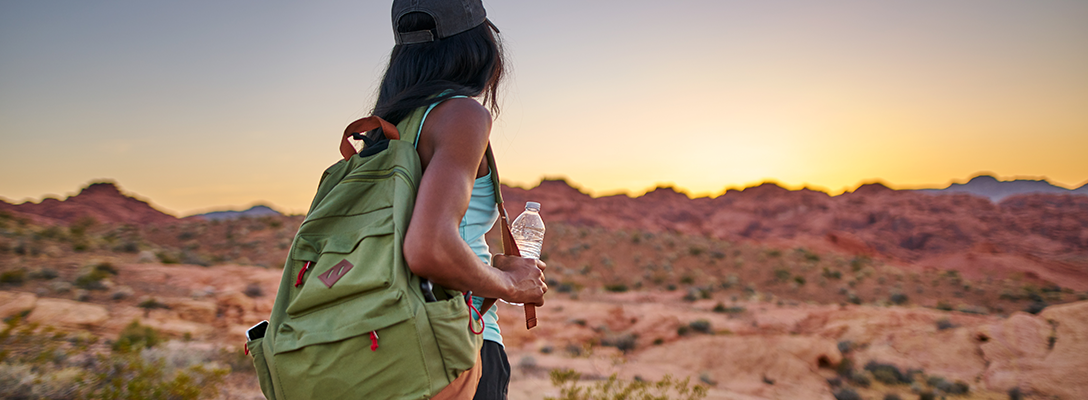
column 990, row 187
column 102, row 201
column 255, row 211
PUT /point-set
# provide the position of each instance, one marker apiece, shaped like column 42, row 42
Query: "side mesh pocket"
column 459, row 347
column 264, row 376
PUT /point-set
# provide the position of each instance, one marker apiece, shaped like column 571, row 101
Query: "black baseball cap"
column 450, row 18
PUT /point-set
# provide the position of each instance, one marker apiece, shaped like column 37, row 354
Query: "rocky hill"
column 762, row 293
column 1039, row 234
column 101, row 201
column 989, row 187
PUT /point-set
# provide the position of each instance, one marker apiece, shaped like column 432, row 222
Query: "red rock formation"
column 102, row 201
column 1050, row 231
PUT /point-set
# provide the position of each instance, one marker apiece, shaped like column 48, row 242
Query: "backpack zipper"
column 380, row 175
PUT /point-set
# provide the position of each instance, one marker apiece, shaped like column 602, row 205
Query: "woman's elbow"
column 422, row 256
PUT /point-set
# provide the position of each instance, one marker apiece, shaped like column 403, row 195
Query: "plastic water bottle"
column 528, row 231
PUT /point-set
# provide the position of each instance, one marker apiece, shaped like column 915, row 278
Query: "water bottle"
column 528, row 232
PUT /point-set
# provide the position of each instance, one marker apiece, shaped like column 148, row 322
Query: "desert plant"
column 135, row 337
column 613, row 388
column 253, row 290
column 624, row 342
column 888, row 374
column 616, row 287
column 846, row 394
column 13, row 277
column 700, row 325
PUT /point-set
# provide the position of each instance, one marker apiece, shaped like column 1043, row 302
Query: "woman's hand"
column 526, row 279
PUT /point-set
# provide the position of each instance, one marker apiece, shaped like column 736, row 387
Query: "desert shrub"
column 13, row 277
column 846, row 394
column 44, row 274
column 135, row 337
column 41, row 363
column 845, row 346
column 1014, row 394
column 253, row 290
column 1036, row 307
column 782, row 274
column 859, row 379
column 773, row 253
column 859, row 262
column 831, row 274
column 92, row 278
column 721, row 308
column 616, row 287
column 957, row 387
column 695, row 250
column 799, row 279
column 944, row 323
column 167, row 258
column 624, row 342
column 613, row 388
column 892, row 396
column 683, row 330
column 944, row 306
column 888, row 374
column 700, row 325
column 898, row 298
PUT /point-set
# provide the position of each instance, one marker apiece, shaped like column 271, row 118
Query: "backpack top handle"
column 363, row 125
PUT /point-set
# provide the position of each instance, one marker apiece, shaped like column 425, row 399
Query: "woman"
column 447, row 52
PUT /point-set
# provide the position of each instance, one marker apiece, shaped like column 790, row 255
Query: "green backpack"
column 350, row 319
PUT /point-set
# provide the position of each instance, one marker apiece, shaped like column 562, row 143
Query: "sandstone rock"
column 178, row 327
column 747, row 364
column 147, row 256
column 67, row 313
column 192, row 310
column 14, row 303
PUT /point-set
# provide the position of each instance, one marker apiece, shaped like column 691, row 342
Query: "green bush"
column 135, row 337
column 13, row 277
column 616, row 287
column 700, row 325
column 614, row 389
column 41, row 363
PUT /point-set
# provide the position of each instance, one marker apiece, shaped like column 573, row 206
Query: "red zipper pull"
column 373, row 340
column 303, row 271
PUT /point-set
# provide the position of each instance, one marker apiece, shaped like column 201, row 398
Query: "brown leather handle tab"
column 362, row 125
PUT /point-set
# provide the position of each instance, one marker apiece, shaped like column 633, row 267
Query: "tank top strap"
column 419, row 128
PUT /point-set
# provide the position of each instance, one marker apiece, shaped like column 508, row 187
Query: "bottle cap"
column 532, row 205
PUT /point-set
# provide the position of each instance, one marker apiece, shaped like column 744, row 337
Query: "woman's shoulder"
column 463, row 115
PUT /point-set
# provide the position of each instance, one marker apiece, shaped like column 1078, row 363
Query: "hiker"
column 446, row 54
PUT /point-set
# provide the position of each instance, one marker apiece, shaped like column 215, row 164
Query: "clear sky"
column 201, row 105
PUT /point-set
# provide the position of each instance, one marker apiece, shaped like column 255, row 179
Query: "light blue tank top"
column 479, row 218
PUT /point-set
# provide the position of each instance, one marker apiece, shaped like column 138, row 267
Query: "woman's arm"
column 451, row 148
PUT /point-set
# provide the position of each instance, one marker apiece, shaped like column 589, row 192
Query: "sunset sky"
column 206, row 105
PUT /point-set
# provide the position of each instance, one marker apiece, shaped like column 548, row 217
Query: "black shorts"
column 496, row 373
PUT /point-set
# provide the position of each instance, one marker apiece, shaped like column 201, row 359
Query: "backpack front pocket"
column 369, row 348
column 333, row 268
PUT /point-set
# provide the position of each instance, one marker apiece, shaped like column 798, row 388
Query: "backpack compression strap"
column 363, row 125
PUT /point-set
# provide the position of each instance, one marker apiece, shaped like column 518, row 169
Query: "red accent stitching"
column 373, row 340
column 303, row 271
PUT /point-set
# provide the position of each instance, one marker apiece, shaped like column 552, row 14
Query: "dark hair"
column 469, row 63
